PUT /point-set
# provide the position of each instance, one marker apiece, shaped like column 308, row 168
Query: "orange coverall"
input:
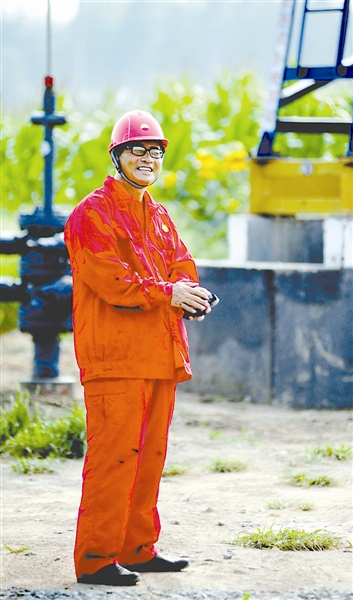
column 131, row 348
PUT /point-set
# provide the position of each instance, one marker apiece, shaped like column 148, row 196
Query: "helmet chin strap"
column 117, row 165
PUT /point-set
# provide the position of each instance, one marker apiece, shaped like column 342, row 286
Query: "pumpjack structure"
column 281, row 186
column 301, row 209
column 283, row 334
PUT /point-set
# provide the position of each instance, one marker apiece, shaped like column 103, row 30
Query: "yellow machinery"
column 285, row 186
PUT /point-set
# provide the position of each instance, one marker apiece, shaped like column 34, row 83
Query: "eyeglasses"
column 141, row 151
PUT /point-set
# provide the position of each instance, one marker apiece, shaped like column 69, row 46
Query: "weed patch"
column 245, row 438
column 281, row 505
column 26, row 436
column 288, row 539
column 35, row 466
column 172, row 470
column 341, row 452
column 227, row 466
column 305, row 480
column 16, row 550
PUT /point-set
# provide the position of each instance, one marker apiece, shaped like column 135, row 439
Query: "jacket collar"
column 123, row 198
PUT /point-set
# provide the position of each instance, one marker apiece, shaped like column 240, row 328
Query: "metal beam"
column 318, row 73
column 299, row 89
column 313, row 125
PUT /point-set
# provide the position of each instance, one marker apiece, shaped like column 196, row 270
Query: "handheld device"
column 213, row 301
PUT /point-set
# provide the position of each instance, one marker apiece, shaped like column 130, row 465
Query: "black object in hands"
column 213, row 301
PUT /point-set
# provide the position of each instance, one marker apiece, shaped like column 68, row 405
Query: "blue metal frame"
column 315, row 77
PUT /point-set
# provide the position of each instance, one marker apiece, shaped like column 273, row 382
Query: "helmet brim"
column 146, row 138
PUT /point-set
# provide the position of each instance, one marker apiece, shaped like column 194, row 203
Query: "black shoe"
column 160, row 564
column 111, row 575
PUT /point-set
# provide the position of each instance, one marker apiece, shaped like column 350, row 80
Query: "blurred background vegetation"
column 205, row 175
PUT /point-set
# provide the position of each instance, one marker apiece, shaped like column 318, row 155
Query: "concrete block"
column 231, row 349
column 258, row 238
column 285, row 239
column 348, row 244
column 333, row 231
column 338, row 242
column 313, row 339
column 237, row 237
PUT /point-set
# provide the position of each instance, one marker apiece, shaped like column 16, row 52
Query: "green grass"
column 288, row 539
column 281, row 505
column 35, row 466
column 246, row 438
column 172, row 470
column 227, row 466
column 305, row 480
column 340, row 452
column 23, row 435
column 16, row 550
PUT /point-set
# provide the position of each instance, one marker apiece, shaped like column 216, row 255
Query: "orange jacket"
column 124, row 325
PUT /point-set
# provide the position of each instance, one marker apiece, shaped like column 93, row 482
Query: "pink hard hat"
column 136, row 126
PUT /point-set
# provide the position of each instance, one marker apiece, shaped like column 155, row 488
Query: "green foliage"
column 205, row 174
column 340, row 452
column 288, row 539
column 25, row 436
column 14, row 420
column 8, row 310
column 199, row 189
column 305, row 480
column 35, row 466
column 22, row 163
column 8, row 316
column 172, row 470
column 226, row 466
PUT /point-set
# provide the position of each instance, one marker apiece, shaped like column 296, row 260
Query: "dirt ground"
column 201, row 511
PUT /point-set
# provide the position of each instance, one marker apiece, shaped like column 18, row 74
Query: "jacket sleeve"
column 183, row 267
column 94, row 258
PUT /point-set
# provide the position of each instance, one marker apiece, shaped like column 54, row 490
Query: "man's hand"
column 190, row 297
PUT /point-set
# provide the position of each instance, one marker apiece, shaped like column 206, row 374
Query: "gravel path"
column 154, row 594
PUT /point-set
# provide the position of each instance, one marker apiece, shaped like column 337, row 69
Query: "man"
column 132, row 280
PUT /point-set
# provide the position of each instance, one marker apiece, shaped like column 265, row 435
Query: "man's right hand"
column 190, row 296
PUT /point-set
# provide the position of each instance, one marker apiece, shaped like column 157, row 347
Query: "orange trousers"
column 127, row 434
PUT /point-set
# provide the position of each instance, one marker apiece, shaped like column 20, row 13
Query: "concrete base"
column 313, row 339
column 297, row 239
column 280, row 334
column 231, row 348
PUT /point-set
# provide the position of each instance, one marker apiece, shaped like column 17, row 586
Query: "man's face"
column 143, row 170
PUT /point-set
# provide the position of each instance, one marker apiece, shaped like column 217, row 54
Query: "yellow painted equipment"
column 286, row 186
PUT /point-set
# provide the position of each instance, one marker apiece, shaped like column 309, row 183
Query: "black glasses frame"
column 159, row 152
